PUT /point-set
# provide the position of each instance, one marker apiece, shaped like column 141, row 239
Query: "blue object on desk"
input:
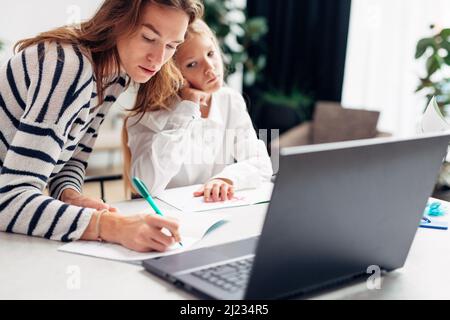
column 434, row 209
column 429, row 223
column 143, row 191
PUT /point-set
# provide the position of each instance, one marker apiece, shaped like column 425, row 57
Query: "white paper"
column 193, row 227
column 184, row 200
column 433, row 120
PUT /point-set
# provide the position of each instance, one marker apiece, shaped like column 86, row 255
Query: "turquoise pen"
column 143, row 191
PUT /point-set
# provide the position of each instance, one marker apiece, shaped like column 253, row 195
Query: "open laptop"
column 336, row 209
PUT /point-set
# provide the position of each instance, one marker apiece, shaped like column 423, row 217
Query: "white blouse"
column 178, row 148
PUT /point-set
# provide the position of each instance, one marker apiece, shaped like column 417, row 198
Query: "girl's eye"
column 211, row 54
column 171, row 47
column 192, row 65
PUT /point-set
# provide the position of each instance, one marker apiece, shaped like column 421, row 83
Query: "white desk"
column 32, row 268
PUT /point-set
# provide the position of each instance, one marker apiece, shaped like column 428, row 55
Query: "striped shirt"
column 48, row 126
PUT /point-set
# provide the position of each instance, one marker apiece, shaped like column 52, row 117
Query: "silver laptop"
column 336, row 209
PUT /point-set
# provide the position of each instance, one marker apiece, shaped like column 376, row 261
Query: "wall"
column 381, row 72
column 25, row 18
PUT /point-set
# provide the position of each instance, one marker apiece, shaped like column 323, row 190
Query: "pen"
column 426, row 219
column 143, row 191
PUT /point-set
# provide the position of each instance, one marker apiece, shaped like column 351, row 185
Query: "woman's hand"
column 74, row 198
column 216, row 190
column 141, row 233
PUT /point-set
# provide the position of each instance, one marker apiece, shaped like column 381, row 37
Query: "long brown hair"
column 97, row 38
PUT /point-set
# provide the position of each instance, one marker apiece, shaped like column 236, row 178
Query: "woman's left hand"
column 74, row 198
column 216, row 190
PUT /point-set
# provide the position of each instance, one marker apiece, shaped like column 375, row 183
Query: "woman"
column 206, row 138
column 54, row 95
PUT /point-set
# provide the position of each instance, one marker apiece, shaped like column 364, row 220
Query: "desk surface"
column 32, row 268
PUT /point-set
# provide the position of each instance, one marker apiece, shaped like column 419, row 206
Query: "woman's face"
column 201, row 64
column 143, row 53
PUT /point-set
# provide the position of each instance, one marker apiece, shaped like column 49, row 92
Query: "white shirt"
column 178, row 148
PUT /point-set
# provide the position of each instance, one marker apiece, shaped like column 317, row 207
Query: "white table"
column 32, row 268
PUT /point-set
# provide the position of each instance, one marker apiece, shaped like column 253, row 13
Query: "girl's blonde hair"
column 97, row 38
column 198, row 27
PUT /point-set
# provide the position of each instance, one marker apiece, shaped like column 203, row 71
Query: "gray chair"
column 332, row 123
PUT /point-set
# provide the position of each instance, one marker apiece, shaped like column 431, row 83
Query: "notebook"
column 184, row 200
column 193, row 227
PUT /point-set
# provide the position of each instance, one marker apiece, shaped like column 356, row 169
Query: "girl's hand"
column 216, row 190
column 194, row 95
column 74, row 198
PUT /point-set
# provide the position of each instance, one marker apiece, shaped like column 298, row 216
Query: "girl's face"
column 201, row 64
column 143, row 53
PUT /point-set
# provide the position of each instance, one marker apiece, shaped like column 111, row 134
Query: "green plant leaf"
column 446, row 46
column 423, row 45
column 433, row 64
column 228, row 20
column 445, row 34
column 447, row 59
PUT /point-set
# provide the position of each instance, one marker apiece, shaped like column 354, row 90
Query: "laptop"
column 336, row 210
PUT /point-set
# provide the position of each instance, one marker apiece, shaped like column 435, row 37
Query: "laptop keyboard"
column 230, row 277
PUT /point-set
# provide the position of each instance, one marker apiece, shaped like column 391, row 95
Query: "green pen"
column 143, row 191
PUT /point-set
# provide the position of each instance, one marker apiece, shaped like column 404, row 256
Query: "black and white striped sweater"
column 48, row 126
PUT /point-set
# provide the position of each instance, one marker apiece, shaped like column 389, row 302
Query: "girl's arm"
column 159, row 144
column 253, row 165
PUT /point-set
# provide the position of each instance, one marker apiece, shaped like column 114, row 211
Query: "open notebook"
column 183, row 198
column 193, row 227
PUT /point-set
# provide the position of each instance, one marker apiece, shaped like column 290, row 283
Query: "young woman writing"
column 54, row 95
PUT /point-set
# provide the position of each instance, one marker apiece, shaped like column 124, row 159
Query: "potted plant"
column 237, row 34
column 240, row 39
column 435, row 50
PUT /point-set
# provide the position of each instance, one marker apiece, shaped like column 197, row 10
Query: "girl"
column 54, row 95
column 207, row 138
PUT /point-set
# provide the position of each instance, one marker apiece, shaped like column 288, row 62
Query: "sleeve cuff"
column 57, row 193
column 227, row 177
column 82, row 224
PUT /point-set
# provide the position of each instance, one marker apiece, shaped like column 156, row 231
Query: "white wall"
column 381, row 72
column 25, row 18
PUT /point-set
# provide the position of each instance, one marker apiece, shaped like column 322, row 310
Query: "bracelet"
column 97, row 224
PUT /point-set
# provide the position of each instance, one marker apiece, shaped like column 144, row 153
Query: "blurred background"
column 315, row 70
